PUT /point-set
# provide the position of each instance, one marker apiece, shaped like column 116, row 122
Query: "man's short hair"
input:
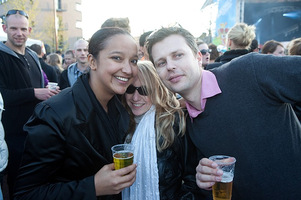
column 70, row 52
column 143, row 38
column 123, row 23
column 36, row 48
column 79, row 41
column 163, row 33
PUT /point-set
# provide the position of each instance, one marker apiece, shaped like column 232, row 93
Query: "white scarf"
column 146, row 186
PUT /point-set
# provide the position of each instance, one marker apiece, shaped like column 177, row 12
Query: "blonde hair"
column 168, row 110
column 242, row 35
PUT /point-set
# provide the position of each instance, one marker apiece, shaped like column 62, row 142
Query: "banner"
column 226, row 18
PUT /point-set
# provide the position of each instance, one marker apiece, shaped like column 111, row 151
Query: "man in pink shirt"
column 242, row 109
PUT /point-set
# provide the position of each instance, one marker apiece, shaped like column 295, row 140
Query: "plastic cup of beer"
column 52, row 85
column 123, row 155
column 223, row 190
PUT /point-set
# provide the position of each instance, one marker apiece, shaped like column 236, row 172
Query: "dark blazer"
column 69, row 140
column 49, row 71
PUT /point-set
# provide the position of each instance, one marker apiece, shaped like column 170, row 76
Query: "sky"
column 145, row 15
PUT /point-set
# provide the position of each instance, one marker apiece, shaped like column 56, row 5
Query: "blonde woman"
column 157, row 130
column 239, row 39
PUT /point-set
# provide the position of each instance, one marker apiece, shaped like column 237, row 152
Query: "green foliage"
column 29, row 6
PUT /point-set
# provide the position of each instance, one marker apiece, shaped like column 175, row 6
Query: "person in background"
column 59, row 52
column 242, row 109
column 55, row 60
column 49, row 70
column 69, row 58
column 46, row 81
column 162, row 149
column 142, row 51
column 3, row 148
column 254, row 46
column 221, row 50
column 239, row 39
column 294, row 47
column 72, row 159
column 273, row 47
column 205, row 51
column 123, row 23
column 214, row 53
column 81, row 66
column 21, row 86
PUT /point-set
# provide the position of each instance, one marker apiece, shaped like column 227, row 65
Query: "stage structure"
column 274, row 19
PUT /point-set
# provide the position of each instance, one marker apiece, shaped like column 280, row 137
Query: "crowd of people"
column 178, row 100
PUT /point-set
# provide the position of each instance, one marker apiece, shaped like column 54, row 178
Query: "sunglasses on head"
column 204, row 51
column 13, row 12
column 141, row 90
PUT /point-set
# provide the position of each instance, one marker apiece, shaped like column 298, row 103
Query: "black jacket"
column 176, row 167
column 227, row 57
column 64, row 81
column 19, row 98
column 49, row 71
column 69, row 140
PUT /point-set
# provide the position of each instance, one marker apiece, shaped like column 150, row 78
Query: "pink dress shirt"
column 209, row 88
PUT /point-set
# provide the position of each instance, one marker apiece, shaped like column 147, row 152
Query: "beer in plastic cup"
column 223, row 190
column 123, row 155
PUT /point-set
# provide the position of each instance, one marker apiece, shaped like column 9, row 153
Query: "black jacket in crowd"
column 69, row 140
column 64, row 81
column 49, row 71
column 227, row 57
column 176, row 167
column 19, row 99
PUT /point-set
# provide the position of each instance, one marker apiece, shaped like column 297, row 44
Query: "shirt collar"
column 209, row 88
column 76, row 70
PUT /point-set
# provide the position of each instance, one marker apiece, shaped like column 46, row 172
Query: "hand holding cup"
column 222, row 190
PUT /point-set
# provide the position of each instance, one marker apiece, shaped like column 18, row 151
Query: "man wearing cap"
column 21, row 85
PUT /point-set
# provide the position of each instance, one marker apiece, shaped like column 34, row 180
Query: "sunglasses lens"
column 142, row 91
column 130, row 90
column 204, row 51
column 13, row 12
column 22, row 13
